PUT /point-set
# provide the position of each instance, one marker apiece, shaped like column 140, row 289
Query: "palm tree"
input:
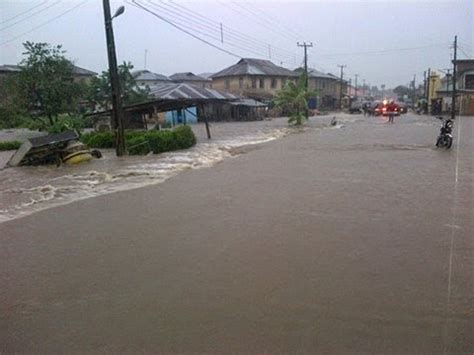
column 294, row 97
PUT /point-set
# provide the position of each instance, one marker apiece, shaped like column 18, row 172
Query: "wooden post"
column 207, row 127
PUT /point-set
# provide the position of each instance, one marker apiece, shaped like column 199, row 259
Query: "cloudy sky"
column 383, row 42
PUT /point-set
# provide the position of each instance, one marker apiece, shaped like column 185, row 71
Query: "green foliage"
column 11, row 118
column 294, row 98
column 144, row 142
column 10, row 145
column 100, row 90
column 45, row 85
column 99, row 139
column 68, row 122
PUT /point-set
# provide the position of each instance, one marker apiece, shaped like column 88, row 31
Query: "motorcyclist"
column 447, row 126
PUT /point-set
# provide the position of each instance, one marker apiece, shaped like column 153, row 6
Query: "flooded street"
column 25, row 190
column 353, row 238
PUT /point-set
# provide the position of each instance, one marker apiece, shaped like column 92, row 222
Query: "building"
column 327, row 87
column 148, row 78
column 254, row 78
column 8, row 70
column 191, row 78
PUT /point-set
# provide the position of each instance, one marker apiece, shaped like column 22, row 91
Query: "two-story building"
column 255, row 78
column 464, row 88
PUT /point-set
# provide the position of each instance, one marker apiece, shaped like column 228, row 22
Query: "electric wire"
column 228, row 30
column 172, row 15
column 273, row 26
column 275, row 30
column 275, row 22
column 44, row 23
column 24, row 12
column 30, row 16
column 384, row 50
column 136, row 4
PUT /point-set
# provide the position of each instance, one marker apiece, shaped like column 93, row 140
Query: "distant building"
column 255, row 78
column 464, row 88
column 190, row 78
column 146, row 77
column 7, row 70
column 327, row 87
column 80, row 74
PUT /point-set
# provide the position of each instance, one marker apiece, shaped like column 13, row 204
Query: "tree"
column 402, row 90
column 100, row 90
column 45, row 85
column 294, row 97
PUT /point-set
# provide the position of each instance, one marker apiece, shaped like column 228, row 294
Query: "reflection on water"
column 25, row 190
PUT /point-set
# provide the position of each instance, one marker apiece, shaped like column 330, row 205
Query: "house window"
column 469, row 82
column 227, row 84
column 241, row 83
column 274, row 83
column 254, row 83
column 262, row 83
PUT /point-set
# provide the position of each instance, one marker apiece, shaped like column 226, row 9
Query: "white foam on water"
column 133, row 173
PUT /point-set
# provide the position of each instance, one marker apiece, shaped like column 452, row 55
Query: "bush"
column 99, row 139
column 9, row 118
column 10, row 145
column 143, row 142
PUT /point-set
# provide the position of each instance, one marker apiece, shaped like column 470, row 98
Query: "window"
column 274, row 83
column 262, row 83
column 254, row 83
column 469, row 82
column 241, row 83
column 227, row 84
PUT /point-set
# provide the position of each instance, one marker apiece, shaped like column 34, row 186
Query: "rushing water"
column 24, row 190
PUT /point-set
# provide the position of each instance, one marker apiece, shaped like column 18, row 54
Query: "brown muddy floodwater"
column 356, row 239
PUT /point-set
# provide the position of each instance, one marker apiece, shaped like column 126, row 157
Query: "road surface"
column 357, row 239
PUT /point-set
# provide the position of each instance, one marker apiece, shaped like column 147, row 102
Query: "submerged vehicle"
column 55, row 148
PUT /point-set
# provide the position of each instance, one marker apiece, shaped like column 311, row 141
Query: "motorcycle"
column 445, row 138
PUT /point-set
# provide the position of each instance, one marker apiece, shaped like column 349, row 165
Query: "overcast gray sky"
column 364, row 35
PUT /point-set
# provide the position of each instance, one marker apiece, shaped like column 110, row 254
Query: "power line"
column 467, row 55
column 274, row 21
column 135, row 3
column 172, row 17
column 266, row 22
column 232, row 31
column 30, row 16
column 249, row 47
column 236, row 7
column 383, row 50
column 24, row 12
column 44, row 23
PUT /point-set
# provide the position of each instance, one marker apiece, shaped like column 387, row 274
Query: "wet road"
column 350, row 240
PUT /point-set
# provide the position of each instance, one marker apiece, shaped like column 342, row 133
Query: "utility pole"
column 117, row 112
column 305, row 46
column 424, row 84
column 146, row 52
column 453, row 104
column 356, row 75
column 342, row 66
column 428, row 79
column 414, row 88
column 269, row 52
column 222, row 34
